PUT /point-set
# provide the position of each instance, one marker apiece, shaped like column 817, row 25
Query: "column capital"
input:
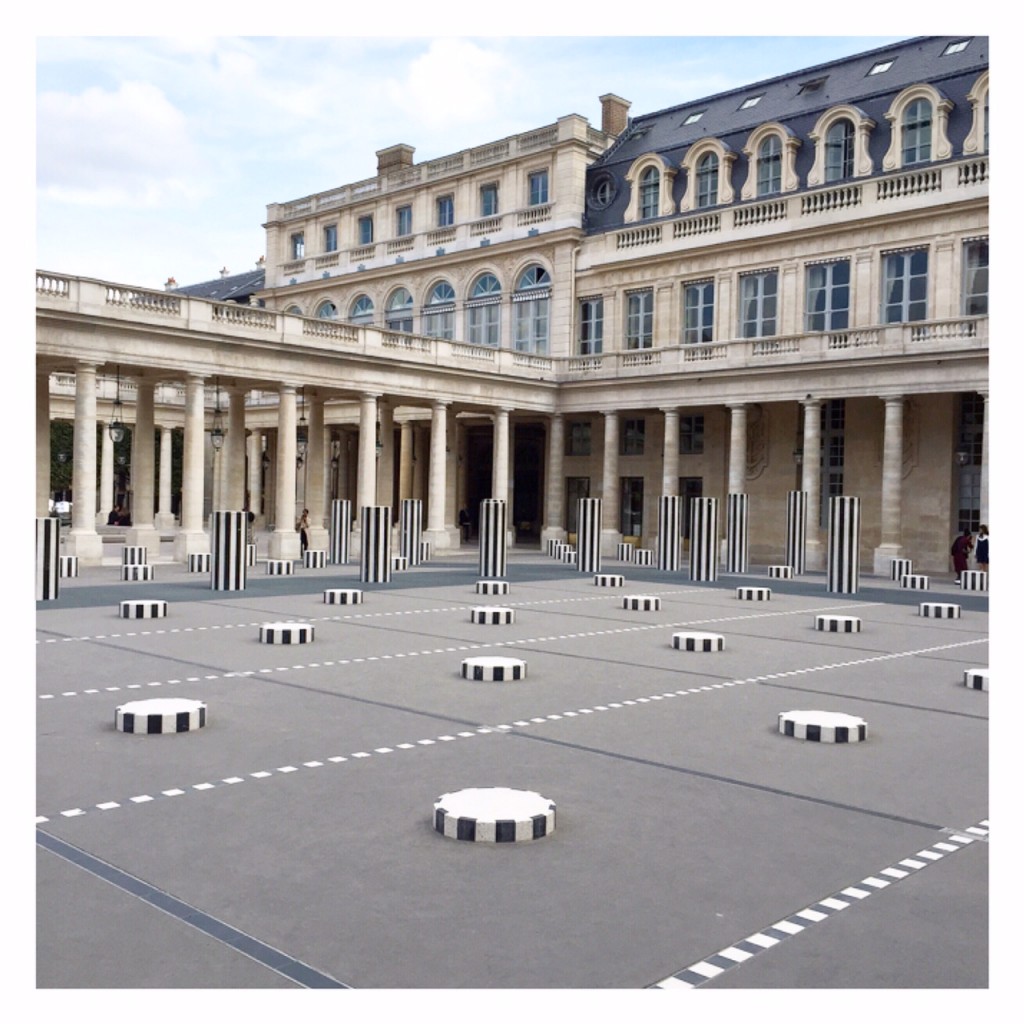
column 440, row 403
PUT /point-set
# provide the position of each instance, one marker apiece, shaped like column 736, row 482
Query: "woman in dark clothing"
column 981, row 549
column 960, row 551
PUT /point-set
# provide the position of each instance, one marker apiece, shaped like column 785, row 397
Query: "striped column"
column 410, row 529
column 796, row 531
column 227, row 569
column 588, row 534
column 704, row 539
column 493, row 537
column 375, row 556
column 670, row 532
column 737, row 532
column 341, row 531
column 47, row 551
column 843, row 545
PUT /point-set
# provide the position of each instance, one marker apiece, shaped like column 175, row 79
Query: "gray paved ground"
column 242, row 856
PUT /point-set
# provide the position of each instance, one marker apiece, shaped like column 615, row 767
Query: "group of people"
column 118, row 517
column 964, row 545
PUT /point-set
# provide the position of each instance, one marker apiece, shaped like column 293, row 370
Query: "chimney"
column 394, row 157
column 261, row 262
column 224, row 271
column 614, row 113
column 170, row 284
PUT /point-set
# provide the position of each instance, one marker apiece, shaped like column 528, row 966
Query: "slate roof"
column 235, row 286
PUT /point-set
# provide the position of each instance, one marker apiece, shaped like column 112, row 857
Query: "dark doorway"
column 527, row 481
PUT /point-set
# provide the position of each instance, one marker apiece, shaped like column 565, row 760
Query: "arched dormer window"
column 327, row 310
column 769, row 166
column 977, row 138
column 839, row 150
column 650, row 193
column 361, row 311
column 919, row 123
column 530, row 305
column 483, row 311
column 771, row 159
column 841, row 138
column 439, row 312
column 707, row 181
column 650, row 182
column 708, row 165
column 399, row 311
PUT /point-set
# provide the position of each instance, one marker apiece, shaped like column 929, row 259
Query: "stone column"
column 892, row 487
column 106, row 489
column 255, row 451
column 737, row 448
column 366, row 480
column 386, row 464
column 811, row 482
column 82, row 539
column 670, row 454
column 437, row 478
column 233, row 452
column 499, row 470
column 317, row 463
column 610, row 535
column 284, row 541
column 42, row 444
column 984, row 459
column 143, row 531
column 164, row 519
column 405, row 462
column 554, row 489
column 191, row 538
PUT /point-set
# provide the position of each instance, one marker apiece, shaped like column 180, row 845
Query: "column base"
column 551, row 533
column 190, row 542
column 144, row 535
column 882, row 554
column 164, row 521
column 87, row 545
column 284, row 544
column 815, row 556
column 610, row 540
column 319, row 538
column 445, row 539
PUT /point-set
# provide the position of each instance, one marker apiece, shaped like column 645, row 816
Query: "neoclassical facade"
column 783, row 287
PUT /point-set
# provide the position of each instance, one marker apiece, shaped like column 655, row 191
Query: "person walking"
column 981, row 548
column 303, row 527
column 960, row 551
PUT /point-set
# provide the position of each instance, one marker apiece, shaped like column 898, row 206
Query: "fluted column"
column 190, row 538
column 437, row 477
column 499, row 469
column 284, row 541
column 42, row 444
column 317, row 465
column 554, row 488
column 143, row 531
column 811, row 482
column 164, row 519
column 610, row 534
column 366, row 479
column 82, row 539
column 892, row 486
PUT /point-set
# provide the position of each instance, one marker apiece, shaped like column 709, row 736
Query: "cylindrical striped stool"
column 280, row 567
column 976, row 678
column 900, row 567
column 47, row 553
column 492, row 586
column 143, row 609
column 399, row 563
column 780, row 572
column 68, row 565
column 199, row 562
column 314, row 559
column 136, row 572
column 568, row 554
column 643, row 556
column 753, row 593
column 698, row 641
column 492, row 616
column 837, row 623
column 608, row 579
column 424, row 550
column 250, row 554
column 823, row 726
column 286, row 633
column 933, row 610
column 160, row 715
column 133, row 554
column 624, row 552
column 494, row 815
column 915, row 582
column 973, row 579
column 641, row 603
column 493, row 670
column 343, row 597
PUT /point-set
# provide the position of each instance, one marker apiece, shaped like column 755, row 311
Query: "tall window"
column 905, row 287
column 298, row 245
column 828, row 296
column 769, row 166
column 591, row 322
column 530, row 302
column 917, row 132
column 691, row 435
column 576, row 487
column 833, row 454
column 488, row 200
column 445, row 211
column 707, row 180
column 331, row 238
column 758, row 304
column 839, row 151
column 640, row 319
column 439, row 313
column 577, row 437
column 698, row 312
column 403, row 221
column 399, row 311
column 631, row 506
column 976, row 278
column 650, row 193
column 538, row 188
column 631, row 440
column 361, row 311
column 365, row 234
column 483, row 311
column 970, row 437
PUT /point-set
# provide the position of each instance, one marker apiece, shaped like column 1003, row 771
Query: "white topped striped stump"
column 641, row 603
column 199, row 562
column 973, row 579
column 136, row 572
column 286, row 633
column 609, row 579
column 250, row 554
column 160, row 715
column 424, row 550
column 753, row 593
column 68, row 565
column 837, row 623
column 343, row 596
column 494, row 815
column 399, row 563
column 780, row 572
column 643, row 556
column 144, row 609
column 912, row 581
column 976, row 678
column 823, row 726
column 495, row 616
column 492, row 586
column 47, row 553
column 133, row 554
column 568, row 554
column 624, row 552
column 314, row 559
column 900, row 567
column 937, row 610
column 493, row 670
column 280, row 567
column 698, row 641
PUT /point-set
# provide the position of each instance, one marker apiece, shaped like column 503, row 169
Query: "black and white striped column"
column 843, row 545
column 340, row 530
column 227, row 568
column 670, row 533
column 493, row 537
column 796, row 531
column 375, row 556
column 588, row 534
column 410, row 530
column 47, row 552
column 736, row 533
column 704, row 539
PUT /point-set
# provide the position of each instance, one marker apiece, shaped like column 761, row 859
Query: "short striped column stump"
column 608, row 579
column 160, row 715
column 286, row 633
column 837, row 623
column 68, row 565
column 493, row 670
column 250, row 554
column 911, row 581
column 136, row 572
column 698, row 641
column 976, row 678
column 143, row 609
column 900, row 567
column 279, row 567
column 199, row 562
column 399, row 563
column 641, row 603
column 492, row 586
column 492, row 616
column 973, row 579
column 494, row 815
column 343, row 597
column 643, row 556
column 314, row 559
column 935, row 610
column 133, row 554
column 624, row 552
column 753, row 593
column 823, row 726
column 780, row 572
column 424, row 550
column 568, row 554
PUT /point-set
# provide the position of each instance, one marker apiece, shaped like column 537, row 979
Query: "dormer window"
column 750, row 101
column 650, row 193
column 958, row 47
column 693, row 118
column 881, row 67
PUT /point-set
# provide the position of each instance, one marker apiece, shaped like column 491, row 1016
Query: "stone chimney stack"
column 170, row 284
column 614, row 113
column 393, row 158
column 224, row 272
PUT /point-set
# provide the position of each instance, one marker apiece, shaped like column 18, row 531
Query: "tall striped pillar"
column 737, row 546
column 843, row 545
column 796, row 531
column 375, row 554
column 47, row 563
column 704, row 539
column 227, row 566
column 670, row 532
column 410, row 529
column 588, row 534
column 341, row 530
column 493, row 537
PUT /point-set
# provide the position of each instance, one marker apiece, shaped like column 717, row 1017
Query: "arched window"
column 483, row 311
column 361, row 311
column 399, row 311
column 769, row 166
column 917, row 132
column 707, row 180
column 530, row 302
column 650, row 193
column 327, row 311
column 294, row 310
column 439, row 312
column 839, row 148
